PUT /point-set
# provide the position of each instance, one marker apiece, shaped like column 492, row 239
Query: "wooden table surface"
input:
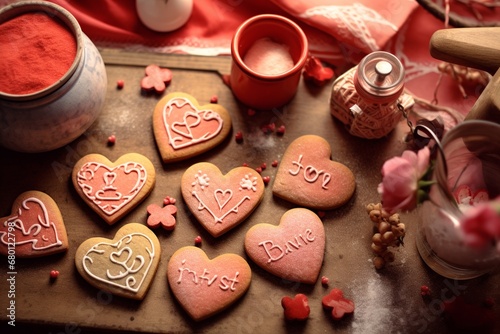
column 387, row 301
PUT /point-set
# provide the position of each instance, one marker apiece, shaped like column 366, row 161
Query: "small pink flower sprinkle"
column 266, row 180
column 251, row 112
column 111, row 140
column 54, row 274
column 169, row 200
column 214, row 99
column 324, row 281
column 197, row 241
column 281, row 130
column 275, row 163
column 238, row 137
column 120, row 84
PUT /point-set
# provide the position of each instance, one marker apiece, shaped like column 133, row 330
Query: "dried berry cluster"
column 389, row 232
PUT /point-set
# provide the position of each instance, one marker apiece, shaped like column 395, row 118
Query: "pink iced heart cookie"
column 113, row 189
column 203, row 286
column 220, row 202
column 184, row 129
column 124, row 266
column 306, row 176
column 34, row 228
column 293, row 250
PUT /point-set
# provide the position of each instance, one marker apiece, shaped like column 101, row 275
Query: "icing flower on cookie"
column 402, row 180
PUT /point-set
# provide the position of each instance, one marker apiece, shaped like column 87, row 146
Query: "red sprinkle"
column 54, row 274
column 275, row 163
column 324, row 281
column 111, row 140
column 251, row 112
column 266, row 180
column 258, row 170
column 281, row 130
column 238, row 137
column 268, row 128
column 120, row 84
column 245, row 164
column 321, row 214
column 197, row 241
column 263, row 166
column 169, row 200
column 214, row 99
column 425, row 291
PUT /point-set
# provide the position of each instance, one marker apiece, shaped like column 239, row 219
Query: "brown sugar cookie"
column 184, row 129
column 112, row 189
column 206, row 286
column 306, row 176
column 34, row 228
column 220, row 202
column 124, row 266
column 293, row 250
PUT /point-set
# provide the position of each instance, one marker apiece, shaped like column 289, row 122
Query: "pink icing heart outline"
column 200, row 131
column 110, row 205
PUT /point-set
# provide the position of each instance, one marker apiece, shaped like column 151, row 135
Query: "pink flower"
column 481, row 223
column 400, row 180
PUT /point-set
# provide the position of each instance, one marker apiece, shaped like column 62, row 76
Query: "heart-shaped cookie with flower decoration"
column 293, row 250
column 123, row 266
column 306, row 176
column 112, row 189
column 34, row 228
column 184, row 129
column 206, row 286
column 220, row 202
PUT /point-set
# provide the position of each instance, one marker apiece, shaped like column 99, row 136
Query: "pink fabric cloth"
column 339, row 32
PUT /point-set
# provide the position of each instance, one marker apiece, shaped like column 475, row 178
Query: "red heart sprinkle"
column 296, row 308
column 156, row 79
column 54, row 274
column 197, row 241
column 340, row 306
column 315, row 72
column 161, row 216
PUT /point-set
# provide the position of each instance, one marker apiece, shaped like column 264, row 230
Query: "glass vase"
column 466, row 167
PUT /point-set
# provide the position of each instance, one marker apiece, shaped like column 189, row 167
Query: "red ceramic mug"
column 267, row 91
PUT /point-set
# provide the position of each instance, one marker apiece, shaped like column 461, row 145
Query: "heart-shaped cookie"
column 306, row 176
column 183, row 129
column 204, row 287
column 220, row 202
column 293, row 250
column 113, row 189
column 124, row 266
column 34, row 228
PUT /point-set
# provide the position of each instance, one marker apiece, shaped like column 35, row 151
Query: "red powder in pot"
column 35, row 51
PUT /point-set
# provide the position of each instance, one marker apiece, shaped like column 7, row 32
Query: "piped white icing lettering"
column 225, row 282
column 111, row 188
column 181, row 124
column 275, row 252
column 127, row 264
column 34, row 231
column 310, row 173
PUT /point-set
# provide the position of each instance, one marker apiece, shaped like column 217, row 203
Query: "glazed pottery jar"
column 54, row 116
column 259, row 90
column 466, row 170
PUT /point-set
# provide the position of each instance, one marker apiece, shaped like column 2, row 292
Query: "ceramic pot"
column 56, row 115
column 470, row 160
column 261, row 91
column 164, row 15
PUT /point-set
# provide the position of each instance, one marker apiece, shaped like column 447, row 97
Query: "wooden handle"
column 472, row 47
